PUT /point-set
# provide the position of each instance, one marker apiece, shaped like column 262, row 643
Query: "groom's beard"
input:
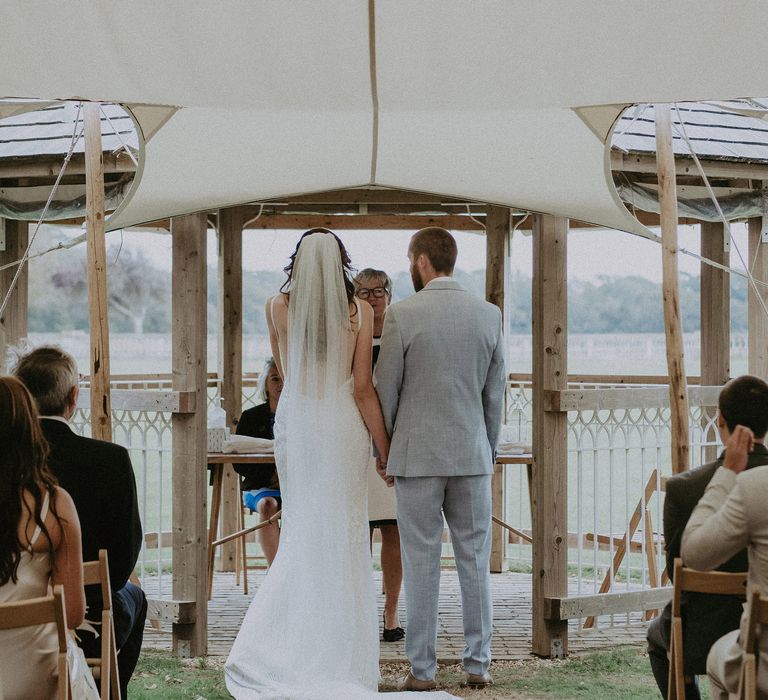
column 418, row 284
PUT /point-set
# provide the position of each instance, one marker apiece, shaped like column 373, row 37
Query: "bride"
column 311, row 630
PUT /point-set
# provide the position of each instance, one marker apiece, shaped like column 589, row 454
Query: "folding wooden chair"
column 757, row 617
column 104, row 668
column 41, row 611
column 714, row 582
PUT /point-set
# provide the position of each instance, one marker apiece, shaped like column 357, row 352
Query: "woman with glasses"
column 375, row 287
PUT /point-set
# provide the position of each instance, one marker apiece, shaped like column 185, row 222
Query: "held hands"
column 737, row 449
column 381, row 470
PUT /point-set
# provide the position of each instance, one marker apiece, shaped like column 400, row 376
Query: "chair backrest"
column 757, row 614
column 37, row 611
column 714, row 582
column 97, row 573
column 41, row 611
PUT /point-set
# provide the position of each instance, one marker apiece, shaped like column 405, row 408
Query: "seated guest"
column 99, row 477
column 261, row 489
column 706, row 618
column 39, row 547
column 730, row 516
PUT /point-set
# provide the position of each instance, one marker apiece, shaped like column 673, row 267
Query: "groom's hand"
column 381, row 470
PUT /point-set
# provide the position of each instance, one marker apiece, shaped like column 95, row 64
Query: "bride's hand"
column 381, row 470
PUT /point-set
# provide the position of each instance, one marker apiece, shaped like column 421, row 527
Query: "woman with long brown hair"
column 39, row 547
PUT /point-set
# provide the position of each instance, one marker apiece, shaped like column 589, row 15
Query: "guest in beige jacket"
column 732, row 514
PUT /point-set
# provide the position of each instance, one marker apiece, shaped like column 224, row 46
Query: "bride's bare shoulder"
column 277, row 302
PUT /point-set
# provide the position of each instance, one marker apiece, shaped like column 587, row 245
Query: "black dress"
column 257, row 422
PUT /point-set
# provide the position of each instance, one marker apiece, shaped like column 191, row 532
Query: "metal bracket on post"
column 2, row 235
column 556, row 649
column 726, row 237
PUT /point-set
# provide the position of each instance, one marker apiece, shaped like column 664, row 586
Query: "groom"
column 440, row 379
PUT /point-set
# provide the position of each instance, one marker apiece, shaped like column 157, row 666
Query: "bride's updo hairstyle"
column 346, row 264
column 23, row 459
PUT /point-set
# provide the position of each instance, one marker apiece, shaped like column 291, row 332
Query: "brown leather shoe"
column 477, row 681
column 410, row 682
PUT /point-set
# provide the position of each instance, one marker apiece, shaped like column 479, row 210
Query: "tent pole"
column 190, row 437
column 715, row 317
column 496, row 275
column 673, row 328
column 230, row 260
column 757, row 323
column 101, row 417
column 15, row 320
column 550, row 432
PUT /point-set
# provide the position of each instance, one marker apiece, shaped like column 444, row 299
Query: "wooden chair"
column 649, row 541
column 757, row 616
column 104, row 668
column 40, row 611
column 714, row 582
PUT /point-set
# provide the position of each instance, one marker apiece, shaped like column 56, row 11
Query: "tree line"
column 140, row 297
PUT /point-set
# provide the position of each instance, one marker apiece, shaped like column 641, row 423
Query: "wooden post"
column 101, row 416
column 190, row 485
column 496, row 275
column 13, row 323
column 715, row 317
column 757, row 322
column 230, row 249
column 550, row 431
column 673, row 327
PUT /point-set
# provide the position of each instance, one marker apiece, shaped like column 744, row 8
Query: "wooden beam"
column 496, row 275
column 673, row 327
column 298, row 222
column 14, row 321
column 550, row 431
column 715, row 305
column 620, row 398
column 190, row 488
column 230, row 261
column 640, row 163
column 49, row 168
column 98, row 311
column 757, row 322
column 606, row 603
column 145, row 400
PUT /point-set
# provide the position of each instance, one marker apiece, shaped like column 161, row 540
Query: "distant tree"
column 138, row 292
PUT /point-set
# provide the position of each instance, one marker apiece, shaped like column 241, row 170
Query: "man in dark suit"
column 99, row 477
column 706, row 618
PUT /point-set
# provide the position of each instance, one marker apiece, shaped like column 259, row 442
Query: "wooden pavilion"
column 231, row 132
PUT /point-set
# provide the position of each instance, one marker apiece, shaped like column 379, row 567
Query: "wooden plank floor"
column 512, row 619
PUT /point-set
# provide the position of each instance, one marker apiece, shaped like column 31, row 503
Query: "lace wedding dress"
column 311, row 630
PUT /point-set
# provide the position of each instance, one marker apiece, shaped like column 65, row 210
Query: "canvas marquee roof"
column 509, row 102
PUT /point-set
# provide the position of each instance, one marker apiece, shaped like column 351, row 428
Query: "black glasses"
column 366, row 292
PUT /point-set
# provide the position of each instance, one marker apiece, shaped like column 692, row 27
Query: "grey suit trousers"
column 466, row 503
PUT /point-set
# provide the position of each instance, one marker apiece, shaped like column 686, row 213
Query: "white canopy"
column 509, row 102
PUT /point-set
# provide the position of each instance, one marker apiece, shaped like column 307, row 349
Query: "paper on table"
column 512, row 448
column 243, row 444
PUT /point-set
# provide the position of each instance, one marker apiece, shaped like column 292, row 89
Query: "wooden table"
column 216, row 462
column 499, row 538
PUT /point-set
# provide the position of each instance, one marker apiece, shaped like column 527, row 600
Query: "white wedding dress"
column 311, row 631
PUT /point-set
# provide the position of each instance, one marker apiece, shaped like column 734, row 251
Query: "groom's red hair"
column 438, row 245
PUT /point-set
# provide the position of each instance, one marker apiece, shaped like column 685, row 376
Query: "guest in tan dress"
column 39, row 547
column 375, row 287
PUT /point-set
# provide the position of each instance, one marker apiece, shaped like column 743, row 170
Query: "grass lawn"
column 620, row 673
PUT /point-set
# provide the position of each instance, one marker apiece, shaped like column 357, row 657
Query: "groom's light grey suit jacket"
column 440, row 378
